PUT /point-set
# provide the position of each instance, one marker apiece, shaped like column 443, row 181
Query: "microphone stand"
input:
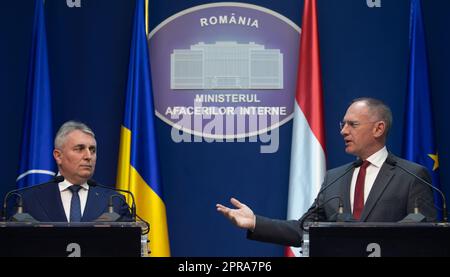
column 109, row 216
column 20, row 215
column 92, row 182
column 392, row 162
column 355, row 164
column 316, row 209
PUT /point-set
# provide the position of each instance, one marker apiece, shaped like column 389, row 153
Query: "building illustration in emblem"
column 226, row 65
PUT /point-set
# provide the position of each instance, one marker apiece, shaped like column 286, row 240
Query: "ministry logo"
column 226, row 65
column 224, row 70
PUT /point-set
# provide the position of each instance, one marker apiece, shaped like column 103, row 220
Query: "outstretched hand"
column 242, row 217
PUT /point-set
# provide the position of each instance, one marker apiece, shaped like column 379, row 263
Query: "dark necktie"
column 75, row 205
column 358, row 199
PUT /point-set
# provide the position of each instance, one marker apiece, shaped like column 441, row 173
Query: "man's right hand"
column 242, row 217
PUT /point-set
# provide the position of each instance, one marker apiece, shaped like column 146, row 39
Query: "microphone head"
column 58, row 179
column 357, row 163
column 92, row 182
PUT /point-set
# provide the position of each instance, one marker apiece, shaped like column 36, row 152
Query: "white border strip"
column 35, row 171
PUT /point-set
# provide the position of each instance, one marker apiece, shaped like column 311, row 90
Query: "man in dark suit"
column 75, row 198
column 375, row 190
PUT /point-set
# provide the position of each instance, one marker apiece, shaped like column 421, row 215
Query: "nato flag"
column 36, row 160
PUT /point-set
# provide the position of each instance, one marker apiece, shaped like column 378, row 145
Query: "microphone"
column 393, row 162
column 354, row 165
column 341, row 216
column 93, row 183
column 20, row 215
column 109, row 216
column 338, row 217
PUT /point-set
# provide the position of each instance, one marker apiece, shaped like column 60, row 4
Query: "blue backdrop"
column 364, row 52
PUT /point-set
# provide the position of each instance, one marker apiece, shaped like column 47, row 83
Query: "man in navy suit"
column 74, row 199
column 386, row 192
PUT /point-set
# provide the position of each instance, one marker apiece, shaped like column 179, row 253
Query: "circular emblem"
column 224, row 70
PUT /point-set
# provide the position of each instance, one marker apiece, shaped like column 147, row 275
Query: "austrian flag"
column 308, row 165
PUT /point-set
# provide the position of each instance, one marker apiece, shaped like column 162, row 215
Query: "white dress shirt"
column 66, row 196
column 376, row 161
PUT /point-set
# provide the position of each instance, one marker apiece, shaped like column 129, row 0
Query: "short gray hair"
column 68, row 127
column 381, row 110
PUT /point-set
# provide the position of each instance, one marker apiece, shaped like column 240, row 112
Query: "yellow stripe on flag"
column 152, row 209
column 123, row 167
column 149, row 205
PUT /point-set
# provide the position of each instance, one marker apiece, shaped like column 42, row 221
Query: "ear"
column 57, row 155
column 379, row 129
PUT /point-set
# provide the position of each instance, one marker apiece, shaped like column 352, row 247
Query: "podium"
column 367, row 239
column 81, row 239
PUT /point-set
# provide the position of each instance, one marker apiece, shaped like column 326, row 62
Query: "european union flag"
column 419, row 145
column 36, row 160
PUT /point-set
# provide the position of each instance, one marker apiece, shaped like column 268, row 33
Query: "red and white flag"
column 308, row 161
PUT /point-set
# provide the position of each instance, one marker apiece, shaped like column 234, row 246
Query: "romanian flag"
column 308, row 135
column 138, row 160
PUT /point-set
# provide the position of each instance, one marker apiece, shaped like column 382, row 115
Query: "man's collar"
column 65, row 184
column 377, row 159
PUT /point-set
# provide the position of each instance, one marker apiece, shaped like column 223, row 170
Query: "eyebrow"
column 84, row 145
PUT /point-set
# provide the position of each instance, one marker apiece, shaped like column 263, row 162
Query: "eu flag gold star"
column 435, row 158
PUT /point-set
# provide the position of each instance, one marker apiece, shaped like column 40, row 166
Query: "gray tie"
column 75, row 206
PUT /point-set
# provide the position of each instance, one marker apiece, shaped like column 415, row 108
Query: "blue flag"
column 36, row 160
column 138, row 169
column 419, row 144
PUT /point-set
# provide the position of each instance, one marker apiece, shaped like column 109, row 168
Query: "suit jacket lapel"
column 345, row 192
column 381, row 182
column 49, row 198
column 93, row 208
